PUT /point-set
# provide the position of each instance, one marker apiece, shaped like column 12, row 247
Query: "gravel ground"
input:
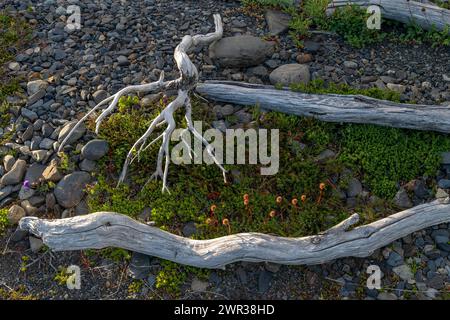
column 128, row 43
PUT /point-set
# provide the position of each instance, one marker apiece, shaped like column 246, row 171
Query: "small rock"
column 78, row 133
column 354, row 188
column 394, row 259
column 304, row 58
column 402, row 199
column 99, row 96
column 325, row 155
column 70, row 190
column 199, row 286
column 8, row 162
column 277, row 22
column 350, row 64
column 444, row 183
column 35, row 86
column 52, row 172
column 15, row 213
column 404, row 272
column 386, row 296
column 396, row 87
column 29, row 114
column 46, row 144
column 290, row 73
column 95, row 149
column 264, row 281
column 139, row 267
column 15, row 175
column 35, row 244
column 189, row 229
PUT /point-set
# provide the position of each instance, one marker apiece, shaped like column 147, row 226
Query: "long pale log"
column 330, row 107
column 108, row 229
column 424, row 14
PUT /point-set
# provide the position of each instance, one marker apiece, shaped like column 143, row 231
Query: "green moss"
column 4, row 222
column 389, row 156
column 319, row 86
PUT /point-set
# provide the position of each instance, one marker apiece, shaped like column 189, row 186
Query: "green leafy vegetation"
column 4, row 222
column 350, row 22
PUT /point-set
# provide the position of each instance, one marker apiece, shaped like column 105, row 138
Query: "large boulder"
column 240, row 51
column 290, row 73
column 70, row 190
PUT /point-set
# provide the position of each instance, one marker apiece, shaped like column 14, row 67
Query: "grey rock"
column 29, row 208
column 70, row 190
column 290, row 73
column 278, row 22
column 100, row 95
column 445, row 158
column 15, row 213
column 386, row 296
column 444, row 183
column 50, row 201
column 95, row 149
column 88, row 165
column 139, row 267
column 350, row 64
column 198, row 285
column 396, row 87
column 35, row 86
column 78, row 133
column 402, row 199
column 28, row 133
column 15, row 175
column 394, row 259
column 8, row 162
column 46, row 144
column 404, row 272
column 82, row 208
column 26, row 193
column 240, row 51
column 39, row 155
column 264, row 281
column 189, row 229
column 6, row 191
column 220, row 125
column 325, row 155
column 354, row 188
column 27, row 113
column 35, row 244
column 34, row 173
column 122, row 61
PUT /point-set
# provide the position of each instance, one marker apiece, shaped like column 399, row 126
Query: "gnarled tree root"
column 108, row 229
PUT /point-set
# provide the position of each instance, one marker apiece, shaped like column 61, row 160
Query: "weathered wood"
column 330, row 107
column 108, row 229
column 424, row 14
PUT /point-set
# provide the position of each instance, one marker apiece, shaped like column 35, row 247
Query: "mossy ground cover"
column 382, row 158
column 14, row 34
column 302, row 199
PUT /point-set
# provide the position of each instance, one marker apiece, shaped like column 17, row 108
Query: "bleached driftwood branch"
column 107, row 229
column 184, row 84
column 330, row 107
column 425, row 14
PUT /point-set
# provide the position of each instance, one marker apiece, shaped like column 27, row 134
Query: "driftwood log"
column 424, row 14
column 108, row 229
column 330, row 107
